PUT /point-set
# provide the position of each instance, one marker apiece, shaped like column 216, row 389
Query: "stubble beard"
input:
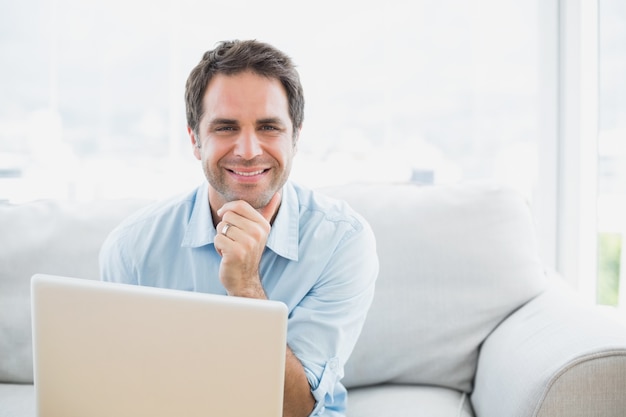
column 251, row 194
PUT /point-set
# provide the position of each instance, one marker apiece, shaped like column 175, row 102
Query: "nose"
column 248, row 145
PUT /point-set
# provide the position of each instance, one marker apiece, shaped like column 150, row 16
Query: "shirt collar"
column 283, row 238
column 200, row 230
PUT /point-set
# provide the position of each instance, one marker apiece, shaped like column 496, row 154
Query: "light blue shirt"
column 320, row 260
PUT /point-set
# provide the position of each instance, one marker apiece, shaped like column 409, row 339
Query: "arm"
column 298, row 400
column 241, row 249
column 327, row 314
column 326, row 323
column 114, row 266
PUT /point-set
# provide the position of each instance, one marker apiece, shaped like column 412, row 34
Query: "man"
column 249, row 231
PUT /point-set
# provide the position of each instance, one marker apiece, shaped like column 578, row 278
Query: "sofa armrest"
column 553, row 357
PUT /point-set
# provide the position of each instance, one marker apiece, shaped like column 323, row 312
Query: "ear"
column 194, row 143
column 296, row 138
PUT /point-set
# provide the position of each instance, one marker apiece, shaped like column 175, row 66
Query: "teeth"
column 249, row 174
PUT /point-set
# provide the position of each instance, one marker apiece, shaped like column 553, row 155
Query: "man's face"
column 245, row 138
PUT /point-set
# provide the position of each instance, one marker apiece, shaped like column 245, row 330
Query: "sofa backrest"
column 454, row 262
column 49, row 237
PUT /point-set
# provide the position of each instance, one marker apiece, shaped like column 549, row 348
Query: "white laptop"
column 104, row 349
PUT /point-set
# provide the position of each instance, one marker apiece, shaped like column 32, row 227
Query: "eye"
column 270, row 128
column 225, row 129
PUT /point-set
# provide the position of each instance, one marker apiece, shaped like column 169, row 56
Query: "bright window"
column 425, row 91
column 612, row 154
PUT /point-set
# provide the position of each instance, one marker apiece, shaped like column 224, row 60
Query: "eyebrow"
column 271, row 120
column 223, row 121
column 234, row 122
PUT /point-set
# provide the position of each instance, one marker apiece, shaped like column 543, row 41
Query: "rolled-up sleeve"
column 325, row 326
column 325, row 393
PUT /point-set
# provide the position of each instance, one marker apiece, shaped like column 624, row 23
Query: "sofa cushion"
column 455, row 260
column 45, row 237
column 391, row 400
column 17, row 400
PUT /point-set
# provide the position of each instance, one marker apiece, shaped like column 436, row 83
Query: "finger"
column 235, row 220
column 239, row 207
column 226, row 228
column 225, row 243
column 254, row 226
column 245, row 210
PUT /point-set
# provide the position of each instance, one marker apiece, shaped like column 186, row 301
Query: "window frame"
column 577, row 144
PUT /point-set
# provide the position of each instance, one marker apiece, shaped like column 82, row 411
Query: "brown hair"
column 233, row 57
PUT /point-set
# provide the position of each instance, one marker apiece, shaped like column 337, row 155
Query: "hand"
column 243, row 244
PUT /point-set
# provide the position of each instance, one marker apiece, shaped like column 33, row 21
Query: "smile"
column 248, row 174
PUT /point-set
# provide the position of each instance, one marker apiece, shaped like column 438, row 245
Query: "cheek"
column 211, row 152
column 289, row 151
column 284, row 151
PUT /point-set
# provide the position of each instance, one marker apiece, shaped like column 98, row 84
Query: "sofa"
column 466, row 321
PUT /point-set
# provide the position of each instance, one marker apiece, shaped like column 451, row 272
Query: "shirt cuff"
column 324, row 391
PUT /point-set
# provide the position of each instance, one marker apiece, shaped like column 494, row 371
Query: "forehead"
column 245, row 95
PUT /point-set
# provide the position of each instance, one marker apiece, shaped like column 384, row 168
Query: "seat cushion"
column 407, row 401
column 17, row 400
column 455, row 260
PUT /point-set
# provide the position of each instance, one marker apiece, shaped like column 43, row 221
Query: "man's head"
column 244, row 111
column 234, row 57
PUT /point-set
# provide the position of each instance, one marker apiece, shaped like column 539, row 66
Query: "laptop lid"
column 105, row 349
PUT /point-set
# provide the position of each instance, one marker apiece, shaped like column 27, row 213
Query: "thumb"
column 271, row 208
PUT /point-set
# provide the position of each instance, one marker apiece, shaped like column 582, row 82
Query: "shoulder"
column 317, row 206
column 159, row 216
column 339, row 241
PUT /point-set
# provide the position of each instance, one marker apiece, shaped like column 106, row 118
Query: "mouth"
column 248, row 173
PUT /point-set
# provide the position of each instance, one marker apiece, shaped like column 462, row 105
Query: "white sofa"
column 465, row 321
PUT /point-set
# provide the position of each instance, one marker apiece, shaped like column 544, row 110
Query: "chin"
column 257, row 201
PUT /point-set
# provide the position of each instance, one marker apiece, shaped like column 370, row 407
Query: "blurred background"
column 527, row 93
